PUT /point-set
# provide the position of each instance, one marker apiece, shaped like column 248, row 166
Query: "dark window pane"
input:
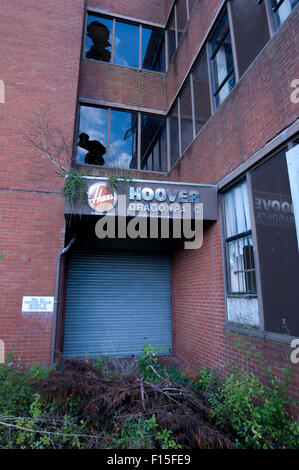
column 126, row 44
column 153, row 50
column 201, row 92
column 277, row 245
column 222, row 62
column 250, row 36
column 174, row 134
column 98, row 38
column 171, row 37
column 181, row 16
column 153, row 143
column 123, row 140
column 92, row 139
column 186, row 116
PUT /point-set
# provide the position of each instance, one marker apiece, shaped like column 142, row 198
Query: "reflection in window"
column 174, row 134
column 171, row 36
column 99, row 31
column 126, row 51
column 124, row 40
column 222, row 62
column 153, row 50
column 123, row 139
column 92, row 142
column 186, row 116
column 181, row 16
column 250, row 36
column 153, row 143
column 282, row 9
column 110, row 137
column 201, row 92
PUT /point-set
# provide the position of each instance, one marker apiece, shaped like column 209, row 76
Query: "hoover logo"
column 101, row 198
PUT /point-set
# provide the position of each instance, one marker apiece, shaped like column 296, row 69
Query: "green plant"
column 141, row 434
column 99, row 364
column 147, row 360
column 75, row 187
column 16, row 392
column 165, row 437
column 255, row 412
column 113, row 180
column 39, row 372
column 74, row 404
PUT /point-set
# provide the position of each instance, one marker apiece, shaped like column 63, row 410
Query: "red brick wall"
column 256, row 110
column 40, row 54
column 124, row 85
column 199, row 23
column 153, row 10
column 199, row 317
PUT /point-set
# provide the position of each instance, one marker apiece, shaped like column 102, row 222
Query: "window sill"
column 252, row 331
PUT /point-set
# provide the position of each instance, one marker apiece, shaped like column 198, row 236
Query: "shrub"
column 255, row 412
column 141, row 434
column 16, row 392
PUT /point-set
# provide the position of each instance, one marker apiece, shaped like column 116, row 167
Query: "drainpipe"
column 65, row 250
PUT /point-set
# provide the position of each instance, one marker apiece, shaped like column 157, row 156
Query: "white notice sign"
column 37, row 304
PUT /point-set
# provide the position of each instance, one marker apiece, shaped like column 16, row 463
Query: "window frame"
column 110, row 107
column 214, row 89
column 267, row 153
column 120, row 19
column 237, row 236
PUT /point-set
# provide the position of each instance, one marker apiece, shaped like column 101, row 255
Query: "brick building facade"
column 224, row 95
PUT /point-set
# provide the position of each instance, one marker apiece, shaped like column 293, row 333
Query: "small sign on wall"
column 32, row 304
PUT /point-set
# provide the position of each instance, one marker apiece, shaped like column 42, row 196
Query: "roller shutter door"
column 116, row 303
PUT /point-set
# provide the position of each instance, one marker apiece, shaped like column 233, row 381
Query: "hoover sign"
column 101, row 198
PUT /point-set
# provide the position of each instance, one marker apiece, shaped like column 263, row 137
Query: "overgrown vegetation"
column 119, row 404
column 75, row 187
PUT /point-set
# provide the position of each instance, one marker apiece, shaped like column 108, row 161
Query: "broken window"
column 222, row 62
column 92, row 138
column 98, row 38
column 239, row 241
column 123, row 43
column 202, row 102
column 282, row 9
column 242, row 305
column 109, row 137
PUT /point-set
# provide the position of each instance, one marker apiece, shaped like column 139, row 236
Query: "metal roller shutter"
column 116, row 303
